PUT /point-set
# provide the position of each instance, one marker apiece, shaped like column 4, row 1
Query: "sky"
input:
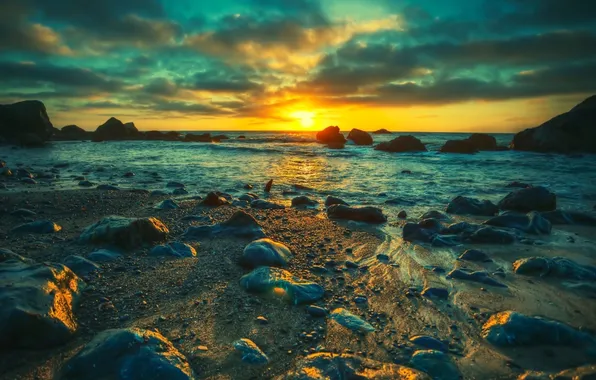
column 426, row 65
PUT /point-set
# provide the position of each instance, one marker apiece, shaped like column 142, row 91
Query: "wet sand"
column 198, row 301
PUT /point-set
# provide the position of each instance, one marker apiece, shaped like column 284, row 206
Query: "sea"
column 415, row 182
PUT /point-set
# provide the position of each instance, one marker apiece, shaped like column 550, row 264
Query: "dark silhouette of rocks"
column 26, row 123
column 114, row 129
column 570, row 132
column 458, row 146
column 407, row 143
column 382, row 131
column 360, row 137
column 482, row 141
column 331, row 135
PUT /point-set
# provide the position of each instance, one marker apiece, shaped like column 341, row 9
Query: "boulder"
column 529, row 199
column 72, row 132
column 360, row 137
column 176, row 249
column 265, row 252
column 25, row 122
column 559, row 267
column 251, row 353
column 80, row 266
column 360, row 214
column 37, row 227
column 510, row 329
column 434, row 214
column 8, row 255
column 570, row 132
column 474, row 255
column 423, row 231
column 104, row 256
column 531, row 223
column 382, row 131
column 324, row 365
column 167, row 204
column 407, row 143
column 125, row 232
column 477, row 276
column 429, row 342
column 331, row 135
column 351, row 321
column 131, row 354
column 438, row 365
column 114, row 129
column 489, row 235
column 262, row 204
column 331, row 200
column 458, row 146
column 569, row 217
column 191, row 137
column 37, row 304
column 240, row 225
column 281, row 283
column 470, row 206
column 214, row 199
column 482, row 141
column 304, row 201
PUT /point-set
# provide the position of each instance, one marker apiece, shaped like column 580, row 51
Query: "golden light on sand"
column 305, row 118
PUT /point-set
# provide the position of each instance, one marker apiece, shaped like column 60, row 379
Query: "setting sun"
column 305, row 117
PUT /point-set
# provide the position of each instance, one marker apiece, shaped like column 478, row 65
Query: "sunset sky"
column 428, row 65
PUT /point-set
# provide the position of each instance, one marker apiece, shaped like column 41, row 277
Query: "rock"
column 352, row 265
column 37, row 304
column 429, row 342
column 197, row 218
column 131, row 354
column 402, row 214
column 360, row 214
column 531, row 223
column 331, row 135
column 23, row 173
column 240, row 225
column 529, row 199
column 268, row 186
column 559, row 267
column 176, row 249
column 458, row 146
column 569, row 217
column 25, row 122
column 570, row 132
column 23, row 212
column 478, row 276
column 329, row 366
column 435, row 292
column 489, row 235
column 114, row 129
column 103, row 256
column 180, row 191
column 262, row 204
column 175, row 184
column 316, row 311
column 510, row 329
column 304, row 201
column 282, row 283
column 433, row 214
column 469, row 206
column 519, row 185
column 406, row 143
column 265, row 252
column 158, row 193
column 6, row 172
column 37, row 227
column 72, row 132
column 360, row 137
column 331, row 200
column 482, row 141
column 191, row 137
column 382, row 131
column 474, row 255
column 7, row 254
column 107, row 187
column 80, row 265
column 251, row 353
column 423, row 231
column 2, row 164
column 125, row 232
column 438, row 365
column 86, row 183
column 249, row 197
column 167, row 204
column 351, row 321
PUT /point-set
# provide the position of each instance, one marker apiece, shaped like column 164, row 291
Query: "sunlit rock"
column 435, row 363
column 251, row 353
column 125, row 232
column 351, row 321
column 265, row 252
column 281, row 283
column 559, row 267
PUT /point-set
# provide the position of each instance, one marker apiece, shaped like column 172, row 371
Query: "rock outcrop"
column 331, row 135
column 570, row 132
column 482, row 141
column 114, row 129
column 25, row 123
column 240, row 224
column 529, row 199
column 360, row 137
column 407, row 143
column 470, row 206
column 458, row 146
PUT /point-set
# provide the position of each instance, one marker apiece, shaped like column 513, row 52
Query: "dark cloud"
column 222, row 81
column 161, row 86
column 188, row 108
column 542, row 13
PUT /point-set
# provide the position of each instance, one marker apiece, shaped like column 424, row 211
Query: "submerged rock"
column 435, row 363
column 329, row 366
column 80, row 266
column 469, row 206
column 240, row 225
column 531, row 223
column 251, row 353
column 360, row 214
column 478, row 276
column 529, row 199
column 262, row 204
column 351, row 321
column 176, row 249
column 304, row 201
column 360, row 137
column 509, row 329
column 283, row 284
column 559, row 267
column 569, row 217
column 131, row 354
column 37, row 227
column 37, row 304
column 331, row 200
column 125, row 232
column 265, row 252
column 407, row 143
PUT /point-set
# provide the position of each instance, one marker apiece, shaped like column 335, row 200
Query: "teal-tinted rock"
column 240, row 225
column 478, row 276
column 531, row 223
column 176, row 249
column 282, row 283
column 37, row 227
column 131, row 354
column 80, row 265
column 429, row 342
column 167, row 204
column 559, row 267
column 265, row 252
column 103, row 256
column 251, row 353
column 351, row 321
column 125, row 232
column 435, row 363
column 262, row 204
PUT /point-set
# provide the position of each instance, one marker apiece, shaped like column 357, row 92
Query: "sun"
column 305, row 118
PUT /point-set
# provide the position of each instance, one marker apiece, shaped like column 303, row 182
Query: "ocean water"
column 359, row 174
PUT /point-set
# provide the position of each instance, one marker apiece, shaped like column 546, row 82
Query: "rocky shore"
column 100, row 282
